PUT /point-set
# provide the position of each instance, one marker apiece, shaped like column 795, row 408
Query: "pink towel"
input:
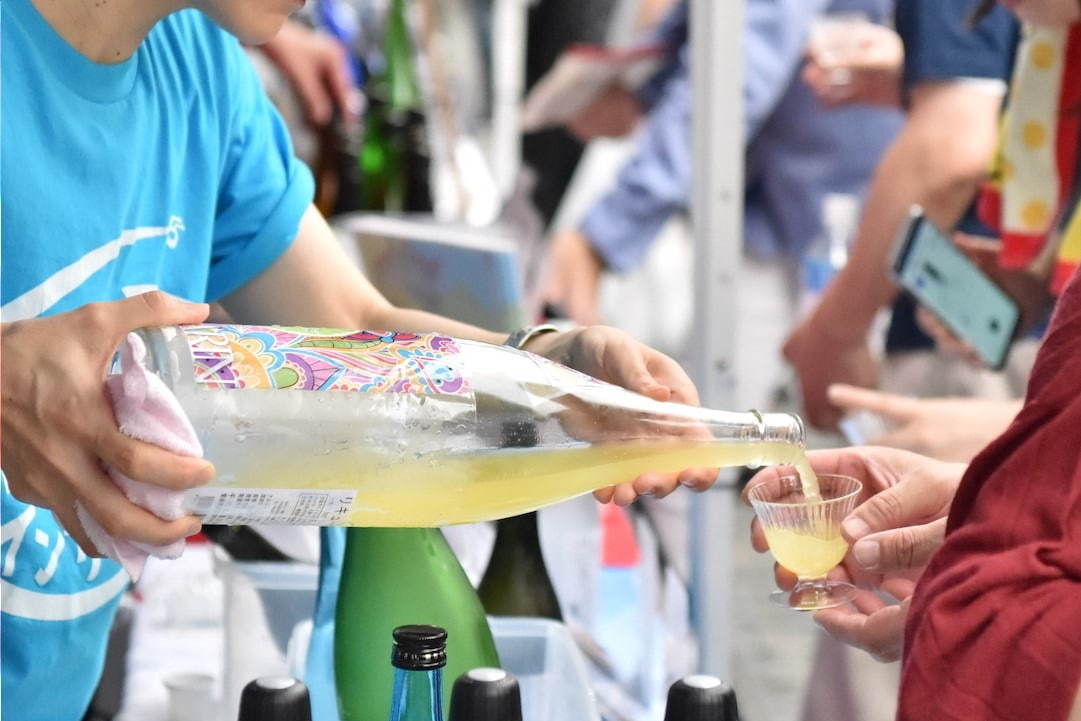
column 146, row 410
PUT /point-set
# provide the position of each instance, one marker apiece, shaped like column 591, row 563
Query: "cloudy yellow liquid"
column 807, row 555
column 808, row 479
column 464, row 487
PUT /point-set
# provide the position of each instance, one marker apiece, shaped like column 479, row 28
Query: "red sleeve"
column 994, row 631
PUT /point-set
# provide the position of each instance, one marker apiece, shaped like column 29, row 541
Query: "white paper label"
column 240, row 506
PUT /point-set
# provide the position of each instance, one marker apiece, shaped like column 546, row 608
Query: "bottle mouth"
column 419, row 648
column 779, row 427
column 800, row 428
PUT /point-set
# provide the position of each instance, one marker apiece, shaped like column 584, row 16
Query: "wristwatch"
column 520, row 337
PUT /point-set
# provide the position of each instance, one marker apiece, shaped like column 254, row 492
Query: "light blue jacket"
column 797, row 150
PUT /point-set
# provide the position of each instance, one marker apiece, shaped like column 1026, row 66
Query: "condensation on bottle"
column 331, row 427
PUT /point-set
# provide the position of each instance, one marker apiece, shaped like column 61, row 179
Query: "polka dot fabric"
column 1032, row 193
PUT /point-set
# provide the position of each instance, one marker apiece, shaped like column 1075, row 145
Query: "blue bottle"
column 420, row 653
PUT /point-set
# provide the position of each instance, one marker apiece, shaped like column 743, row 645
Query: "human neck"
column 105, row 31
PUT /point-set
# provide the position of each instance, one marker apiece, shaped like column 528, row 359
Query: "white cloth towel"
column 146, row 410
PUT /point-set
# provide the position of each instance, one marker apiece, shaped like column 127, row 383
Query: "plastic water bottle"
column 828, row 252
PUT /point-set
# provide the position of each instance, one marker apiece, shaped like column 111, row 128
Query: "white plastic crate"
column 265, row 601
column 549, row 667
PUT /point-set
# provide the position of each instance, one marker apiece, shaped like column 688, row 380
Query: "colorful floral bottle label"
column 322, row 359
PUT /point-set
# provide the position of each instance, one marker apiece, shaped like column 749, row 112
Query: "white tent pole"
column 717, row 213
column 508, row 86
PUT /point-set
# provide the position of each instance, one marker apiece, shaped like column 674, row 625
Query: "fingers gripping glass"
column 805, row 536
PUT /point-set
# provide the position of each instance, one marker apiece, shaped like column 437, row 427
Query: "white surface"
column 549, row 668
column 265, row 602
column 191, row 696
column 487, row 675
column 177, row 630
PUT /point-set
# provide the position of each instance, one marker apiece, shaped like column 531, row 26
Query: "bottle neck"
column 418, row 695
column 518, row 531
column 754, row 427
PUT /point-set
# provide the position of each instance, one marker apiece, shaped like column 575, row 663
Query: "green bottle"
column 394, row 577
column 393, row 161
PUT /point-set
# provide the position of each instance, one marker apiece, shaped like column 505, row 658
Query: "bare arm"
column 929, row 163
column 315, row 283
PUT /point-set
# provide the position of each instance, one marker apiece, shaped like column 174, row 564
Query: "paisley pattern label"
column 323, row 359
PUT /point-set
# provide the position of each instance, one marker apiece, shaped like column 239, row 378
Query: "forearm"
column 418, row 321
column 314, row 283
column 652, row 186
column 928, row 164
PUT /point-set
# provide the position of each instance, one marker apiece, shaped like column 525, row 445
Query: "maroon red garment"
column 994, row 631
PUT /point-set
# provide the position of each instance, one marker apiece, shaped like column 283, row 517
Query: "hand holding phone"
column 944, row 280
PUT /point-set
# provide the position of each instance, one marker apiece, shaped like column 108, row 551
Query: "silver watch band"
column 520, row 337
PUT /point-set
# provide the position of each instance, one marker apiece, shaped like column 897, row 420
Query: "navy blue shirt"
column 940, row 45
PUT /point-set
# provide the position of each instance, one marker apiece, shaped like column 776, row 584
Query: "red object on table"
column 619, row 548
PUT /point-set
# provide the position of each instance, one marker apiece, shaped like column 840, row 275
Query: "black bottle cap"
column 701, row 698
column 519, row 433
column 419, row 648
column 275, row 698
column 486, row 694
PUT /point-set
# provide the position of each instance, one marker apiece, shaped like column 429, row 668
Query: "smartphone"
column 941, row 277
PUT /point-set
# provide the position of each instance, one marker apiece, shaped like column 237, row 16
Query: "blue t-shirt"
column 170, row 170
column 941, row 47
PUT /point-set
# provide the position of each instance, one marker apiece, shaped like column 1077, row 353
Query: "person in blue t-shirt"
column 145, row 174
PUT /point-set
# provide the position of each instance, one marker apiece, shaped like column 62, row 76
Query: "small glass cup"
column 805, row 536
column 835, row 38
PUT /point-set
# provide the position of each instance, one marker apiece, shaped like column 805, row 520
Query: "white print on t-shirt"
column 19, row 600
column 53, row 289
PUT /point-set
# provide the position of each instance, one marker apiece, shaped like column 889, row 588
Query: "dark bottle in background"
column 394, row 158
column 701, row 698
column 516, row 582
column 486, row 694
column 242, row 543
column 275, row 698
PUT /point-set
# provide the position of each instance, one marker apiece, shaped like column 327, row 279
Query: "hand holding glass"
column 805, row 536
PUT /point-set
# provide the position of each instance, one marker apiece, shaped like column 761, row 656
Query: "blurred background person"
column 953, row 82
column 798, row 152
